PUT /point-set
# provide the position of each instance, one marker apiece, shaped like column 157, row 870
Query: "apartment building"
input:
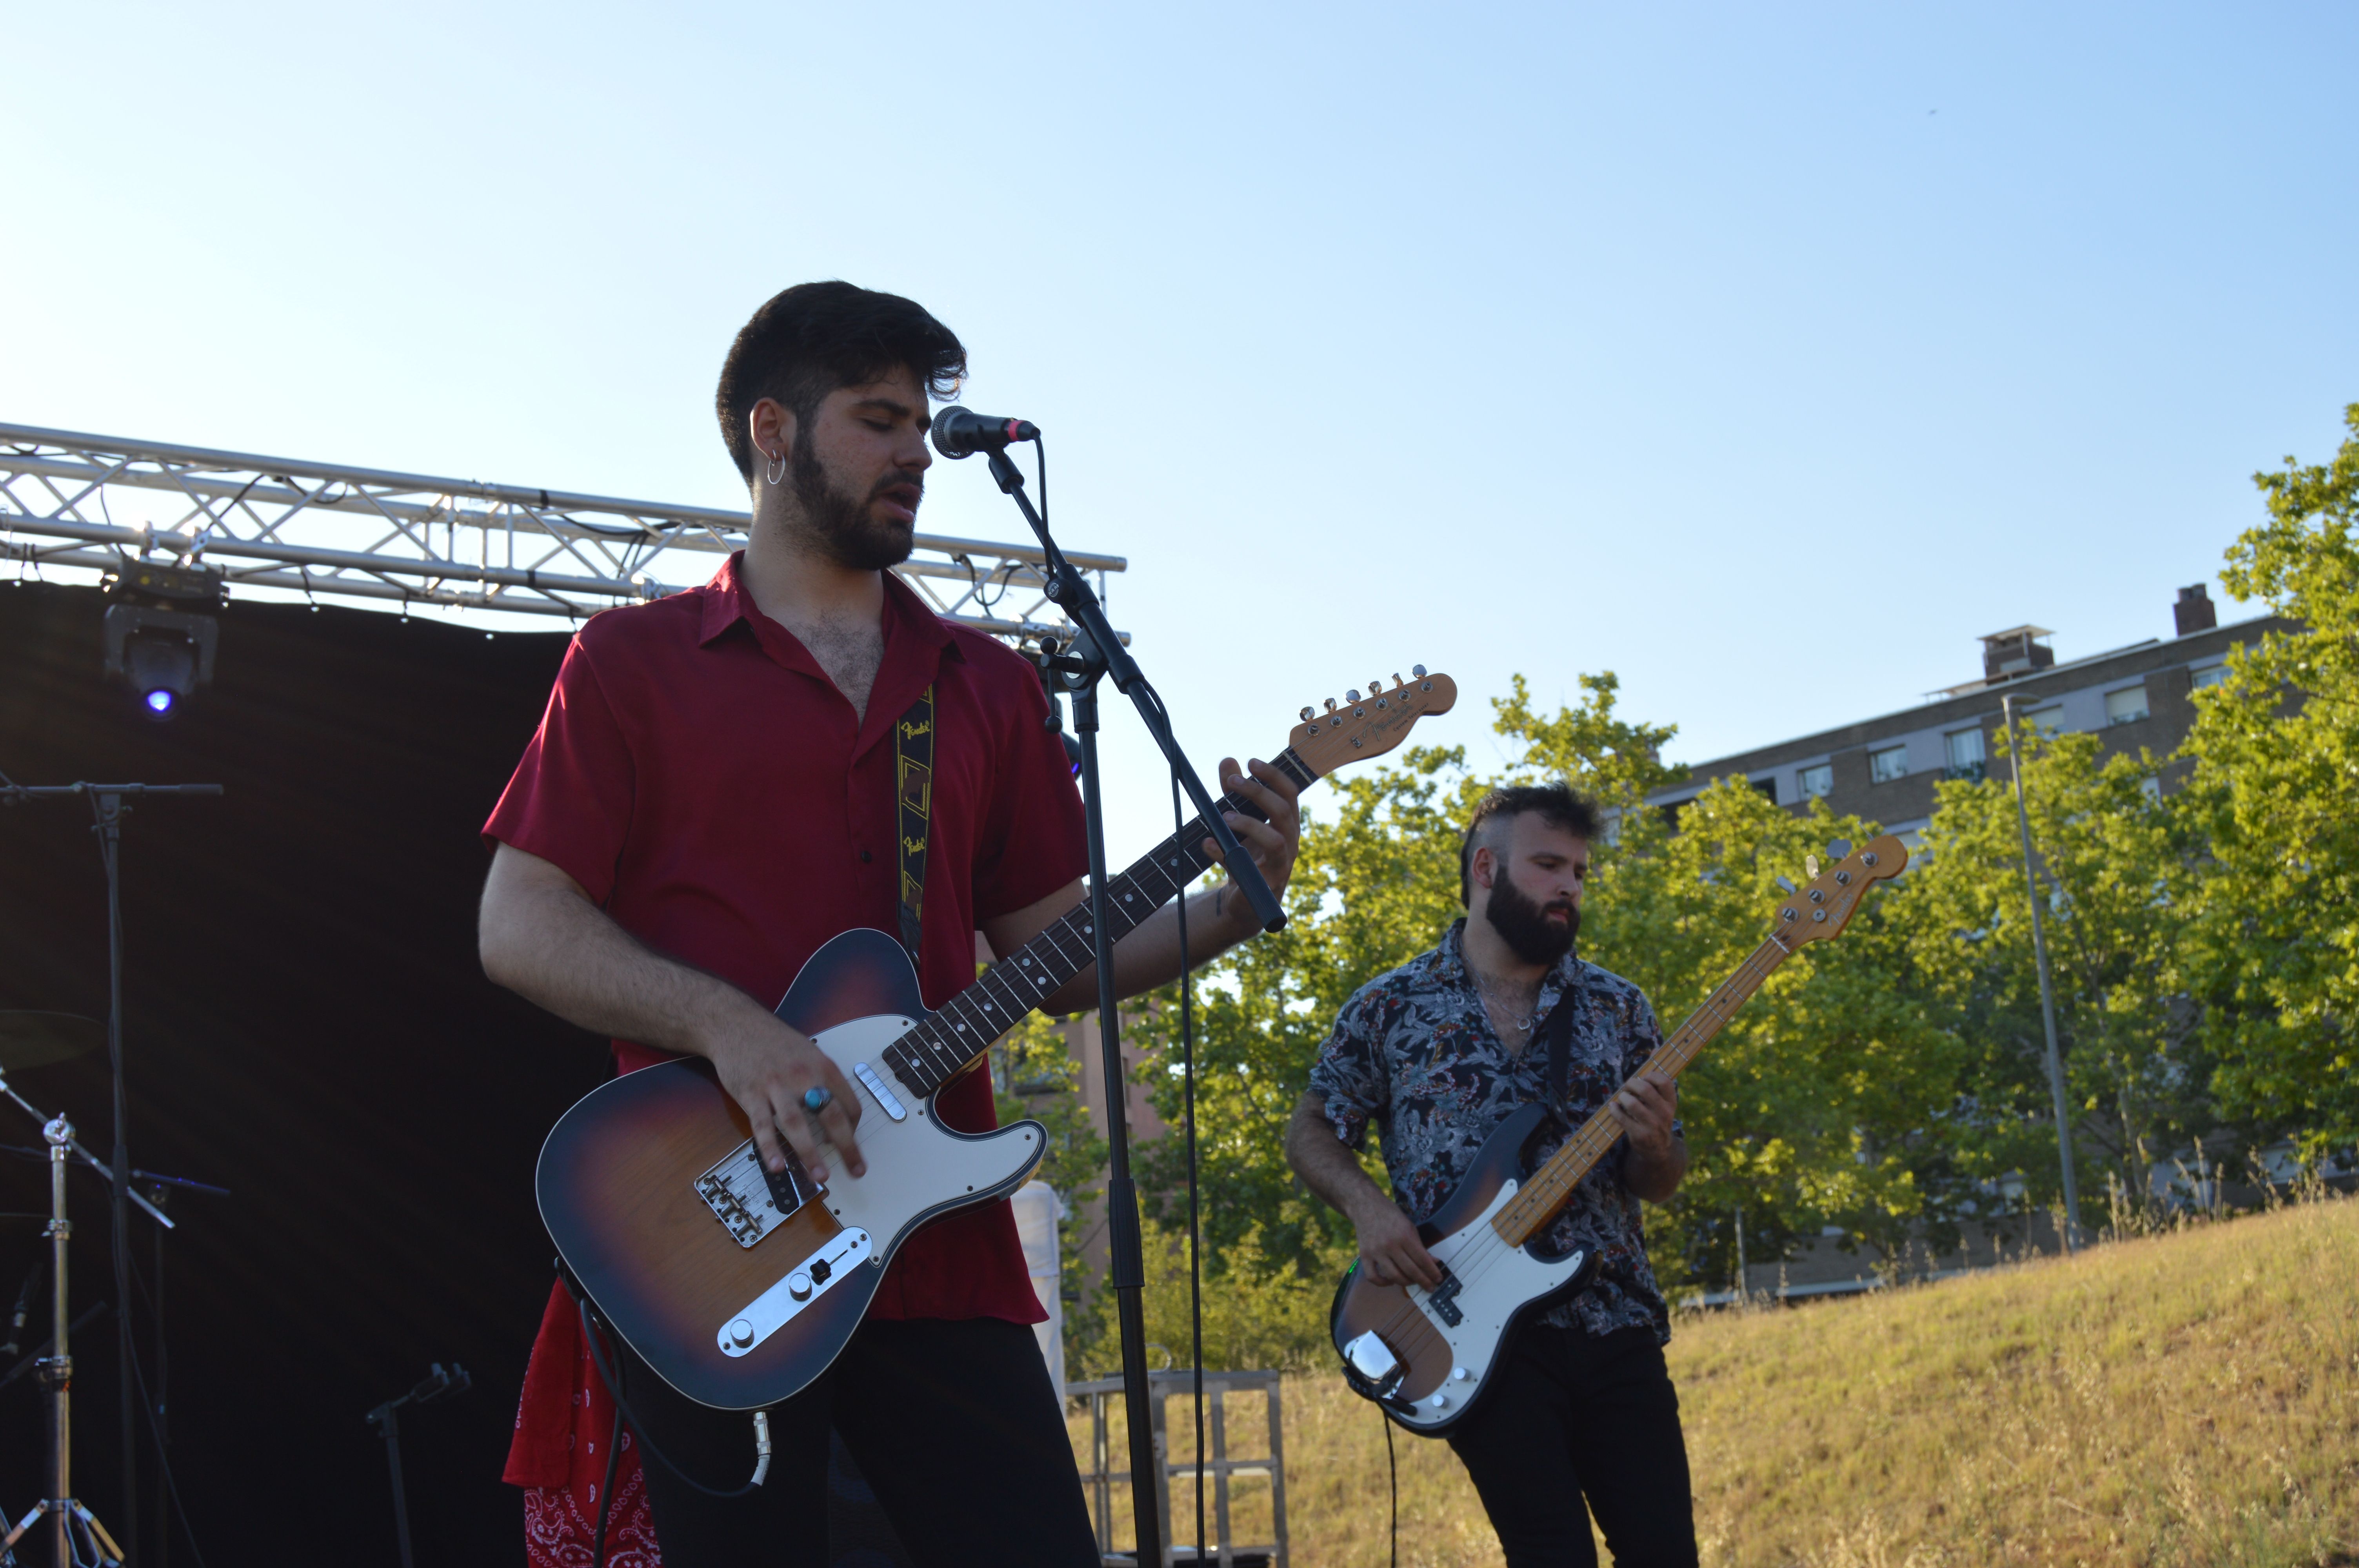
column 1885, row 768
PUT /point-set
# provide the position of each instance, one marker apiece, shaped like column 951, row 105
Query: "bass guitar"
column 1427, row 1354
column 739, row 1286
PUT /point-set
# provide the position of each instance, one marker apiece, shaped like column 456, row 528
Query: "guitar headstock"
column 1370, row 724
column 1827, row 904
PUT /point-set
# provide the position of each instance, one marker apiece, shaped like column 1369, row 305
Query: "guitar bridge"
column 747, row 1197
column 1442, row 1299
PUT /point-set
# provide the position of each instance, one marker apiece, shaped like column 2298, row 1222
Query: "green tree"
column 2114, row 863
column 2276, row 937
column 1034, row 1073
column 1823, row 1103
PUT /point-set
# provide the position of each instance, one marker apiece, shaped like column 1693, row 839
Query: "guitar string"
column 931, row 1059
column 1491, row 1247
column 1485, row 1251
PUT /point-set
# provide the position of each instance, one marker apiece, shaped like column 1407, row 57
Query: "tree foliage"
column 2276, row 932
column 1889, row 1085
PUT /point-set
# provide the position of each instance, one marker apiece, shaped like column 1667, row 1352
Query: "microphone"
column 960, row 434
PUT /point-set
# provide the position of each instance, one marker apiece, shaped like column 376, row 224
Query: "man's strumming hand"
column 766, row 1068
column 1391, row 1252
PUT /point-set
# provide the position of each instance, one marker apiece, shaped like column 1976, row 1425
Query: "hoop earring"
column 775, row 470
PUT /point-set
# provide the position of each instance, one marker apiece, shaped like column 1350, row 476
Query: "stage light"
column 162, row 653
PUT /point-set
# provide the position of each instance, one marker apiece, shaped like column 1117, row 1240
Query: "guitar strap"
column 913, row 792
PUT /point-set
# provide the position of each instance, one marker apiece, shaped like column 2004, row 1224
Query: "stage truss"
column 330, row 532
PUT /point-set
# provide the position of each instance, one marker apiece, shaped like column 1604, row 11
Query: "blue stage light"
column 159, row 702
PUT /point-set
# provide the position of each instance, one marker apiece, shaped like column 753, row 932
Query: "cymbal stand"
column 108, row 805
column 89, row 1546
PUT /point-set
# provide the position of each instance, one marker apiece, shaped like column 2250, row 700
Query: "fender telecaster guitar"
column 1427, row 1354
column 739, row 1287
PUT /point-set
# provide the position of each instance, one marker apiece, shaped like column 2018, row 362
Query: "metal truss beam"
column 331, row 531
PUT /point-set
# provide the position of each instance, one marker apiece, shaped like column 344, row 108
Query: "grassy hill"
column 2190, row 1398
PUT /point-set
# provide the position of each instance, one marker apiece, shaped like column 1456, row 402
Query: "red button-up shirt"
column 705, row 781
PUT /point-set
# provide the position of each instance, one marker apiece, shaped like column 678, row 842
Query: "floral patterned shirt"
column 1415, row 1053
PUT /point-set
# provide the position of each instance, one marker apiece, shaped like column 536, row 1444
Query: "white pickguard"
column 914, row 1164
column 1495, row 1281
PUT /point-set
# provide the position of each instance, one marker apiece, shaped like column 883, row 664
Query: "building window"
column 2210, row 675
column 1892, row 762
column 1962, row 749
column 2047, row 721
column 2151, row 788
column 1819, row 780
column 2127, row 706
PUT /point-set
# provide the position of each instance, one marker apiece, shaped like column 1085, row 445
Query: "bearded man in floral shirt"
column 1436, row 1055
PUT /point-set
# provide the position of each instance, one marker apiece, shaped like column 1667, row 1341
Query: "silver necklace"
column 1522, row 1025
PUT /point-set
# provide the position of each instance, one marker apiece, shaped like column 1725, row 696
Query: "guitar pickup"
column 749, row 1198
column 1442, row 1300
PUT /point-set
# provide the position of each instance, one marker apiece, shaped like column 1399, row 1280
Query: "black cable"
column 1195, row 1269
column 163, row 1459
column 1392, row 1467
column 613, row 1391
column 1041, row 466
column 606, row 1490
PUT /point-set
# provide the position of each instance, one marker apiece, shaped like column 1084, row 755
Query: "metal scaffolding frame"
column 327, row 530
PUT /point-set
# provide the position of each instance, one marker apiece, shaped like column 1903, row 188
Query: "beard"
column 1523, row 923
column 841, row 524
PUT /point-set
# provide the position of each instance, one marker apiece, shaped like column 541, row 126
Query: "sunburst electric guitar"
column 738, row 1286
column 1427, row 1354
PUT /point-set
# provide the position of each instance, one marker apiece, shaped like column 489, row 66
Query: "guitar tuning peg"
column 1417, row 670
column 1397, row 682
column 1352, row 695
column 1374, row 686
column 1306, row 713
column 1785, row 882
column 1839, row 849
column 1810, row 867
column 1331, row 705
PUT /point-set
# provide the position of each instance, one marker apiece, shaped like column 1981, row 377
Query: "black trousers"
column 953, row 1425
column 1570, row 1415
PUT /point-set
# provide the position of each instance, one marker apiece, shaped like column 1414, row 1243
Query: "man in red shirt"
column 711, row 796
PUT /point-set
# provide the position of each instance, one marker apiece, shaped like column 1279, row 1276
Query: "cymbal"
column 37, row 1039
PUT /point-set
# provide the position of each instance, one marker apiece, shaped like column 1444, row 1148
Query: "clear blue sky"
column 1765, row 355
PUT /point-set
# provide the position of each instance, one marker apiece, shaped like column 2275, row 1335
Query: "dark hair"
column 1557, row 805
column 817, row 338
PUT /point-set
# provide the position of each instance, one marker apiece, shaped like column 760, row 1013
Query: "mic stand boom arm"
column 1099, row 652
column 1070, row 592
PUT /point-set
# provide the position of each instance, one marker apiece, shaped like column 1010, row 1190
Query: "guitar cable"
column 1392, row 1474
column 1195, row 1270
column 608, row 1376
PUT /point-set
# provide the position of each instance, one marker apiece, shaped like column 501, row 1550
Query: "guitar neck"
column 943, row 1045
column 1537, row 1202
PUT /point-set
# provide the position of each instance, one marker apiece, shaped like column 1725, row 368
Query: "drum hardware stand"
column 58, row 1506
column 106, row 803
column 1097, row 653
column 159, row 1188
column 439, row 1385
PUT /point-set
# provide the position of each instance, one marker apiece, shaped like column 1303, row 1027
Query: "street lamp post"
column 2047, row 991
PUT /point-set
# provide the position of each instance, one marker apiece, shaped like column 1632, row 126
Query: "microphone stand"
column 106, row 802
column 1097, row 651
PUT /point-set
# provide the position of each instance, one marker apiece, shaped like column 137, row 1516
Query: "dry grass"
column 2190, row 1399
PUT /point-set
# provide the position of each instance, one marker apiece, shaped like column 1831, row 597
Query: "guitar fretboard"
column 941, row 1046
column 1537, row 1202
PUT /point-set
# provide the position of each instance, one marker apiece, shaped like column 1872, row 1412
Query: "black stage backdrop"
column 305, row 1024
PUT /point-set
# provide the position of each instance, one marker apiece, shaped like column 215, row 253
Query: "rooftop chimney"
column 2195, row 612
column 2016, row 652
